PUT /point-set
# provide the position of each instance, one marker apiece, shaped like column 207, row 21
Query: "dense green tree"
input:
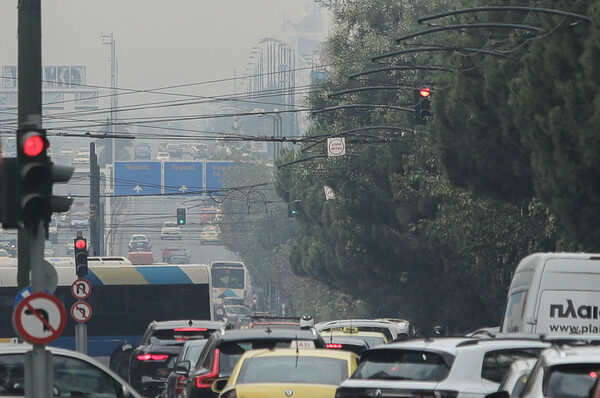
column 557, row 108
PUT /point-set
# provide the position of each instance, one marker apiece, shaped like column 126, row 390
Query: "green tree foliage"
column 399, row 235
column 557, row 107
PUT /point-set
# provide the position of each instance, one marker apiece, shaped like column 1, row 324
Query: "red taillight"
column 333, row 345
column 152, row 357
column 186, row 329
column 180, row 384
column 205, row 381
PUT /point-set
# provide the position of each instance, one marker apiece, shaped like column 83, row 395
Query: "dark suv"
column 225, row 347
column 160, row 343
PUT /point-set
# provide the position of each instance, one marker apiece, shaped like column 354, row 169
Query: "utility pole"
column 96, row 224
column 31, row 237
column 109, row 40
column 113, row 86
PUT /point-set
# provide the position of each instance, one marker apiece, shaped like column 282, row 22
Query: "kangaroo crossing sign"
column 39, row 318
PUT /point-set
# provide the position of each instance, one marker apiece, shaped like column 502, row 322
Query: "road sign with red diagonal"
column 81, row 311
column 39, row 318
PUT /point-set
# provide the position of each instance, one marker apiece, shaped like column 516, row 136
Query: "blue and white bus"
column 230, row 281
column 125, row 298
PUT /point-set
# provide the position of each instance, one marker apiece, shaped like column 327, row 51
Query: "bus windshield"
column 229, row 278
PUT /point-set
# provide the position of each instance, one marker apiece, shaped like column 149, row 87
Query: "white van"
column 554, row 294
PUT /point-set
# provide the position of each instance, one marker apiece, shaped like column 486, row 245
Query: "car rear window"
column 497, row 363
column 231, row 351
column 570, row 381
column 402, row 365
column 293, row 369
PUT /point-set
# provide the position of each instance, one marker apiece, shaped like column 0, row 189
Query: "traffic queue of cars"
column 295, row 357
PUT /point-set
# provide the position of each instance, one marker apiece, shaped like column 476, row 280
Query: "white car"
column 441, row 367
column 564, row 371
column 75, row 374
column 170, row 230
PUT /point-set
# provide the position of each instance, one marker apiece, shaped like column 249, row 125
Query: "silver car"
column 75, row 374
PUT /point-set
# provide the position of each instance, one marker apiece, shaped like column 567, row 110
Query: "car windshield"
column 571, row 380
column 402, row 365
column 293, row 369
column 237, row 310
column 138, row 238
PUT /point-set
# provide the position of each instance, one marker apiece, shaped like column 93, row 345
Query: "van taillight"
column 333, row 345
column 180, row 384
column 205, row 381
column 152, row 357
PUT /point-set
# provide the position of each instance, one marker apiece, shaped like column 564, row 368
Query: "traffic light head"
column 292, row 209
column 33, row 177
column 181, row 216
column 422, row 104
column 81, row 257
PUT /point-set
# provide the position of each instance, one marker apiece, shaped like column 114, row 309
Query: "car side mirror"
column 182, row 368
column 219, row 385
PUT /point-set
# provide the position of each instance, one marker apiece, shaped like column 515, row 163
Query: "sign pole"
column 81, row 338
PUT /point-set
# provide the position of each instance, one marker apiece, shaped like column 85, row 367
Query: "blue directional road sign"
column 216, row 172
column 137, row 178
column 184, row 178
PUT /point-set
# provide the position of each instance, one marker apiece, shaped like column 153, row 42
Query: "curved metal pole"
column 400, row 67
column 440, row 48
column 469, row 26
column 504, row 8
column 345, row 132
column 358, row 89
column 335, row 108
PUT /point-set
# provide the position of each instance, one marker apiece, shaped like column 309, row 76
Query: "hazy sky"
column 158, row 42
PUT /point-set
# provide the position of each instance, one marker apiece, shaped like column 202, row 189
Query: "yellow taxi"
column 373, row 339
column 288, row 372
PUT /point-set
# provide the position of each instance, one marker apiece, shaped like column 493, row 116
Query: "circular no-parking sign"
column 39, row 318
column 81, row 289
column 81, row 311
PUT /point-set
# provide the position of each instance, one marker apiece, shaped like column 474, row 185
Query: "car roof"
column 454, row 344
column 571, row 354
column 187, row 323
column 267, row 333
column 307, row 352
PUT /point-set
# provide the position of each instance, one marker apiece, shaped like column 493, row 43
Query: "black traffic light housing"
column 9, row 197
column 292, row 209
column 181, row 216
column 81, row 256
column 33, row 176
column 36, row 176
column 422, row 104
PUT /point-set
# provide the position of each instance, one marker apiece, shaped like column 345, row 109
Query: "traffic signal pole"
column 31, row 237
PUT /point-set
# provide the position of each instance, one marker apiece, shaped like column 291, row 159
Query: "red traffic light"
column 425, row 92
column 33, row 145
column 80, row 244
